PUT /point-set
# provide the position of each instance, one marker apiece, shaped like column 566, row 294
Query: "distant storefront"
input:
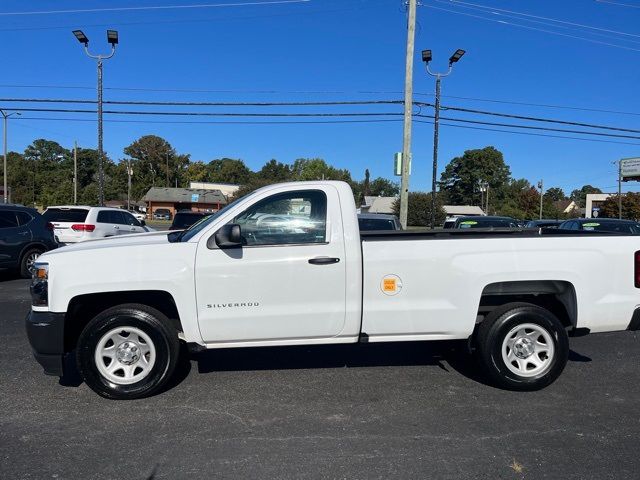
column 176, row 199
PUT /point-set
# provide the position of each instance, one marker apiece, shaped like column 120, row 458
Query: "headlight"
column 40, row 285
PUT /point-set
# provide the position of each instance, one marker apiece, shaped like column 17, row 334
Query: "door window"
column 130, row 219
column 286, row 219
column 8, row 219
column 23, row 218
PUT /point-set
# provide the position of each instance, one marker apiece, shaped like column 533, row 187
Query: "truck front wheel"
column 127, row 352
column 522, row 346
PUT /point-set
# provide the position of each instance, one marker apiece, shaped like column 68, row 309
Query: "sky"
column 576, row 55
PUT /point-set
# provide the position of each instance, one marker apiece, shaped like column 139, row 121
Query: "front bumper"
column 45, row 331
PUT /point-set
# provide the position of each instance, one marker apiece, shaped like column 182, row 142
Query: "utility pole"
column 167, row 155
column 408, row 112
column 487, row 199
column 129, row 173
column 5, row 117
column 620, row 189
column 75, row 173
column 112, row 38
column 426, row 58
column 540, row 186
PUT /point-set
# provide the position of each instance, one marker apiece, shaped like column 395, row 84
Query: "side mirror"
column 143, row 223
column 229, row 236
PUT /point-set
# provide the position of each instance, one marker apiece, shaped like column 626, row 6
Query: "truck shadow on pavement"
column 446, row 355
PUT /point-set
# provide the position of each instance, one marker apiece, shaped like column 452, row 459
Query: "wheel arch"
column 83, row 308
column 557, row 296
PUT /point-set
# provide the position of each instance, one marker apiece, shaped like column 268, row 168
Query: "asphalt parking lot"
column 366, row 411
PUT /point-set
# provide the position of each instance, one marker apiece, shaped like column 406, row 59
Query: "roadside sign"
column 397, row 164
column 194, row 198
column 630, row 169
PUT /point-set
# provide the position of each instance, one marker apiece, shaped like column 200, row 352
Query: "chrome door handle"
column 323, row 260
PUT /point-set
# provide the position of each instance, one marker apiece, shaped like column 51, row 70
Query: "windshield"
column 72, row 215
column 619, row 227
column 368, row 224
column 197, row 227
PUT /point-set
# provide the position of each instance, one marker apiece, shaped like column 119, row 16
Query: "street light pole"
column 541, row 187
column 112, row 38
column 5, row 117
column 426, row 58
column 620, row 189
column 75, row 173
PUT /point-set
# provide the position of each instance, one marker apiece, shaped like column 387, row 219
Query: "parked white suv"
column 79, row 223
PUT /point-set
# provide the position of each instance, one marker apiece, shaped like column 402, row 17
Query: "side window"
column 104, row 216
column 118, row 218
column 287, row 218
column 130, row 219
column 8, row 219
column 23, row 218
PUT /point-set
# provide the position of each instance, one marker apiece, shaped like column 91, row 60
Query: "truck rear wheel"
column 522, row 346
column 127, row 352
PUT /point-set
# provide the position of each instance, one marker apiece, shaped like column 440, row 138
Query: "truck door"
column 286, row 282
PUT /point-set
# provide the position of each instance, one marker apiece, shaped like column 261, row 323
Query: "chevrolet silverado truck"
column 287, row 265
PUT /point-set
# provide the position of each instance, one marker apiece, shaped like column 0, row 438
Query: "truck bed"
column 450, row 233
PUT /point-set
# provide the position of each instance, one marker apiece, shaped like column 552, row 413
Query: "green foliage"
column 228, row 170
column 580, row 195
column 275, row 171
column 154, row 163
column 419, row 212
column 317, row 169
column 554, row 194
column 630, row 206
column 461, row 177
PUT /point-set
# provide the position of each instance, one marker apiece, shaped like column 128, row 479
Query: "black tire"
column 496, row 326
column 146, row 319
column 26, row 261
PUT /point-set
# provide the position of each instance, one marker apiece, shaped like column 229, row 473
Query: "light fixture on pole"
column 426, row 58
column 112, row 39
column 5, row 116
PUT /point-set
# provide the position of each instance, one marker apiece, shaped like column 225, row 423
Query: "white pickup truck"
column 287, row 265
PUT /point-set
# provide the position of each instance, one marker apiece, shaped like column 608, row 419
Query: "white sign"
column 630, row 168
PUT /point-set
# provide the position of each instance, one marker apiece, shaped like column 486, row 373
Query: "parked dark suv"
column 24, row 235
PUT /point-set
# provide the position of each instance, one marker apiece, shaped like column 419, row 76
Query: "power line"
column 155, row 7
column 504, row 22
column 319, row 115
column 580, row 25
column 208, row 104
column 331, row 103
column 302, row 122
column 532, row 134
column 537, row 119
column 530, row 127
column 619, row 4
column 323, row 92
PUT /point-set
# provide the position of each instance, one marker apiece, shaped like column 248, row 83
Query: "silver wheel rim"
column 528, row 350
column 31, row 260
column 125, row 355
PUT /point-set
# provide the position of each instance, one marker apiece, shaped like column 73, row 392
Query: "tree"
column 555, row 194
column 317, row 169
column 153, row 161
column 419, row 211
column 462, row 175
column 630, row 206
column 229, row 170
column 580, row 195
column 275, row 172
column 197, row 172
column 382, row 187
